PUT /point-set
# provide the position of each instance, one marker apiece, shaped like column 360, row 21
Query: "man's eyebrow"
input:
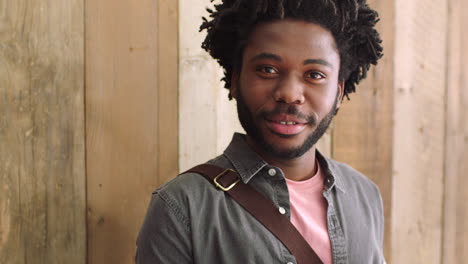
column 318, row 61
column 265, row 55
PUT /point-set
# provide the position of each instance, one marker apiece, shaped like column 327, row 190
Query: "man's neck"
column 298, row 169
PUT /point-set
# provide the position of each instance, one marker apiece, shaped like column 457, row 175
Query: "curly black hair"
column 351, row 22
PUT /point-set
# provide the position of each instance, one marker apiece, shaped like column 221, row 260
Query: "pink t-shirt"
column 309, row 213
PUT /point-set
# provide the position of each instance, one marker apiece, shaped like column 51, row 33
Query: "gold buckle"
column 221, row 186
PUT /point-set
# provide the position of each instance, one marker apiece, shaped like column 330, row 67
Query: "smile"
column 286, row 123
column 285, row 128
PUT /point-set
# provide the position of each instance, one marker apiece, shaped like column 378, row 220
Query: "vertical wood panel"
column 42, row 171
column 420, row 81
column 456, row 148
column 132, row 125
column 199, row 81
column 363, row 129
column 461, row 161
column 207, row 118
column 168, row 92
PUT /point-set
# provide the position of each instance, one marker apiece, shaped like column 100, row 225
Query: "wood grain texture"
column 42, row 170
column 455, row 247
column 461, row 161
column 419, row 131
column 207, row 118
column 132, row 124
column 363, row 130
column 168, row 92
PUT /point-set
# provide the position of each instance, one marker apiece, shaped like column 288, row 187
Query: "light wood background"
column 207, row 118
column 420, row 100
column 455, row 208
column 42, row 143
column 103, row 101
column 131, row 118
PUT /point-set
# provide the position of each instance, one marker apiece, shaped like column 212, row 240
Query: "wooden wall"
column 75, row 189
column 207, row 118
column 431, row 136
column 455, row 225
column 407, row 130
column 131, row 118
column 42, row 144
column 99, row 105
column 418, row 169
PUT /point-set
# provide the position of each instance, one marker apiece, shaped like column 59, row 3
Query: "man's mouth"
column 286, row 122
column 285, row 125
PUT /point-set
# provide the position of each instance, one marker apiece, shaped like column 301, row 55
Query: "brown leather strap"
column 262, row 209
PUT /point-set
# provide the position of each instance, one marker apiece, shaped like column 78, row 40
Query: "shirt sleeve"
column 381, row 224
column 380, row 227
column 165, row 234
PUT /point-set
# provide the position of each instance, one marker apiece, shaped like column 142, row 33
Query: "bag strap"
column 261, row 208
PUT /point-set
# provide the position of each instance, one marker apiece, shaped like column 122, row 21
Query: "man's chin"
column 286, row 141
column 287, row 153
column 287, row 147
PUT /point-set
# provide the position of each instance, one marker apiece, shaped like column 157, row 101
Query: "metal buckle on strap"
column 219, row 185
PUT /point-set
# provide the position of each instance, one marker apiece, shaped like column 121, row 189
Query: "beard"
column 247, row 121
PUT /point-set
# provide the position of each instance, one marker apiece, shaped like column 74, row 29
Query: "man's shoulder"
column 189, row 185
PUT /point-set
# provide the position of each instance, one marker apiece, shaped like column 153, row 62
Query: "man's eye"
column 315, row 75
column 267, row 70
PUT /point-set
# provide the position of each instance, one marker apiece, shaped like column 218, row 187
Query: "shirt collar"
column 248, row 163
column 330, row 170
column 245, row 161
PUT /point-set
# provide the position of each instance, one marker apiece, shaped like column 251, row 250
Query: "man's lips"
column 285, row 119
column 285, row 124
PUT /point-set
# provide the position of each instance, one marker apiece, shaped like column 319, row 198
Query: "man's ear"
column 341, row 86
column 234, row 84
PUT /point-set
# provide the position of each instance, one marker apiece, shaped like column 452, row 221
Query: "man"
column 288, row 64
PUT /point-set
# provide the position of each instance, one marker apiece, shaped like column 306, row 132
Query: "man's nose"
column 290, row 90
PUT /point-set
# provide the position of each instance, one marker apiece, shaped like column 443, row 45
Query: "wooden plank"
column 419, row 133
column 199, row 82
column 455, row 243
column 168, row 92
column 462, row 159
column 207, row 118
column 363, row 129
column 132, row 126
column 42, row 170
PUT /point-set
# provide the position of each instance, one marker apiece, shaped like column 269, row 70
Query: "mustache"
column 291, row 110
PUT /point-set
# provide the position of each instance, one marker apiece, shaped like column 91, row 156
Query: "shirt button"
column 282, row 210
column 272, row 172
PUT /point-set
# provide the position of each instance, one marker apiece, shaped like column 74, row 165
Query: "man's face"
column 287, row 91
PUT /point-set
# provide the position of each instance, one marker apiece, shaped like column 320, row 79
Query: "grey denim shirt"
column 191, row 221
